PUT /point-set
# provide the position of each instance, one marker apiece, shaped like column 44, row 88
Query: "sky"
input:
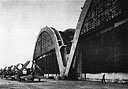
column 22, row 20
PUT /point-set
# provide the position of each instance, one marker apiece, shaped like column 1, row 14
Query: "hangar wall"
column 100, row 41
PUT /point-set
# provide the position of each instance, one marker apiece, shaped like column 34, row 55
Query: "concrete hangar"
column 99, row 44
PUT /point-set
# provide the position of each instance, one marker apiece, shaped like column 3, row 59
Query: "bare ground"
column 59, row 84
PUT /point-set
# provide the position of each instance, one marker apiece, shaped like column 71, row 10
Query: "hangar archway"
column 49, row 53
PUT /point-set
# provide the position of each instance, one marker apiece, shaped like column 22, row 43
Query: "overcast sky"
column 21, row 21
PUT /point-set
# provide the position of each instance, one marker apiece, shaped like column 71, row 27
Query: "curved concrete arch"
column 56, row 38
column 76, row 35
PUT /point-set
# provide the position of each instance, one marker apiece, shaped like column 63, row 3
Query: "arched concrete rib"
column 76, row 35
column 56, row 37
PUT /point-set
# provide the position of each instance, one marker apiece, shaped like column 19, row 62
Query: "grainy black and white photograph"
column 63, row 44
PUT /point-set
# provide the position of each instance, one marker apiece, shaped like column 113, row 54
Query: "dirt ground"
column 59, row 84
